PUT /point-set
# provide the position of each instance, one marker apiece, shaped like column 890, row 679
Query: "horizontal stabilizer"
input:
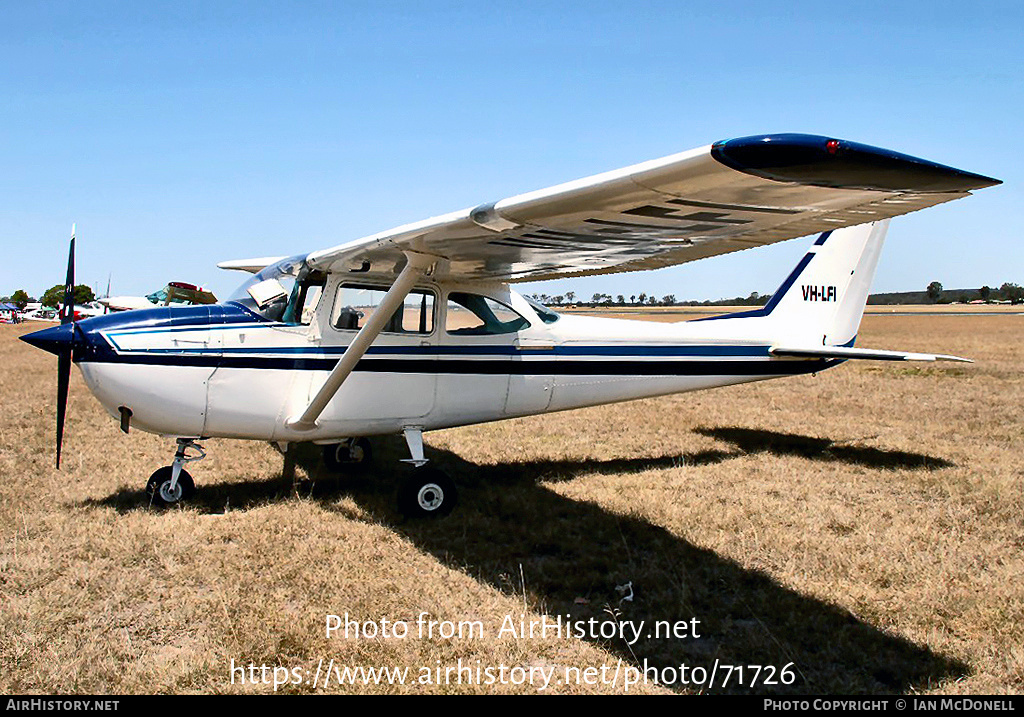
column 843, row 352
column 250, row 265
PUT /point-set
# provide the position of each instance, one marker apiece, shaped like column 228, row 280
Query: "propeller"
column 60, row 340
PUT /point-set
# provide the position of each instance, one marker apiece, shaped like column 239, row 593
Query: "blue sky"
column 181, row 134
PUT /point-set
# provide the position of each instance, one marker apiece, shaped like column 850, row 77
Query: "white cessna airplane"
column 416, row 328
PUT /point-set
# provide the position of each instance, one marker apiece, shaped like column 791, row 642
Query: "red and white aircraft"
column 176, row 293
column 417, row 328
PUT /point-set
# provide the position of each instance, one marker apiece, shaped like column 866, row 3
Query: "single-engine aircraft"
column 417, row 328
column 176, row 293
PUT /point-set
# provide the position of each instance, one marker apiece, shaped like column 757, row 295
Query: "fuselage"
column 225, row 370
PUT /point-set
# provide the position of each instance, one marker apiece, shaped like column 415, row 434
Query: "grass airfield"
column 863, row 526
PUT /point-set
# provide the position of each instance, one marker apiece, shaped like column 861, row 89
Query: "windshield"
column 544, row 313
column 270, row 292
column 158, row 297
column 181, row 296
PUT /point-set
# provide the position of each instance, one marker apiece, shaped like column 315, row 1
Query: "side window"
column 355, row 303
column 475, row 315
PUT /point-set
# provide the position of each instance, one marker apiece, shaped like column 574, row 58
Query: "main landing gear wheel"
column 159, row 487
column 347, row 455
column 426, row 493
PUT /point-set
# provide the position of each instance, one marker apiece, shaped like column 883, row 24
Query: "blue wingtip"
column 827, row 162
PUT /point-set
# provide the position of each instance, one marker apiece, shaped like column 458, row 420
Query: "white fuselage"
column 238, row 376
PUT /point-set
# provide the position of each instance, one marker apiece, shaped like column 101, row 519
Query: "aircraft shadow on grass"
column 752, row 440
column 573, row 554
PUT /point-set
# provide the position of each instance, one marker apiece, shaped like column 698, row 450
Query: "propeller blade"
column 64, row 356
column 63, row 378
column 68, row 310
column 60, row 340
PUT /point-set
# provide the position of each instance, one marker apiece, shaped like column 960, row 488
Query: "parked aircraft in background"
column 417, row 328
column 41, row 314
column 176, row 293
column 86, row 311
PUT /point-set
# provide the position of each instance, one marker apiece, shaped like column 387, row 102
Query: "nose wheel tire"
column 426, row 493
column 159, row 490
column 344, row 456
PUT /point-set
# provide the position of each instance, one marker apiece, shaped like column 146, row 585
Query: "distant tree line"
column 52, row 297
column 643, row 299
column 19, row 298
column 936, row 293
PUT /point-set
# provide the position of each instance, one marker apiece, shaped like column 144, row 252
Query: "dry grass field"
column 865, row 525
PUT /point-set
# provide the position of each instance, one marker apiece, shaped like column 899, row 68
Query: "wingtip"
column 818, row 160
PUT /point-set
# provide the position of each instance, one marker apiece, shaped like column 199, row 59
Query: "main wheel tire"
column 344, row 456
column 158, row 488
column 427, row 493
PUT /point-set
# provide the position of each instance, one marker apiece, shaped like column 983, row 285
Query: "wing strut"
column 416, row 266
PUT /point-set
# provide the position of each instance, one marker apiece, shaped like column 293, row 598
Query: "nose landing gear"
column 172, row 484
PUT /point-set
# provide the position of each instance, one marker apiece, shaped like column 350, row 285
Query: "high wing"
column 731, row 195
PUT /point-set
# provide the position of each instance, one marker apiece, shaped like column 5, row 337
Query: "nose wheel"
column 173, row 484
column 163, row 493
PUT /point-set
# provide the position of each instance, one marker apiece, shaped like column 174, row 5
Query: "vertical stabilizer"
column 822, row 301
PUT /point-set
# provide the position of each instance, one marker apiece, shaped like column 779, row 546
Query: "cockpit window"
column 287, row 291
column 476, row 315
column 544, row 313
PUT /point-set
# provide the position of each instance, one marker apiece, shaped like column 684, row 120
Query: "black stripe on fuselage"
column 769, row 367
